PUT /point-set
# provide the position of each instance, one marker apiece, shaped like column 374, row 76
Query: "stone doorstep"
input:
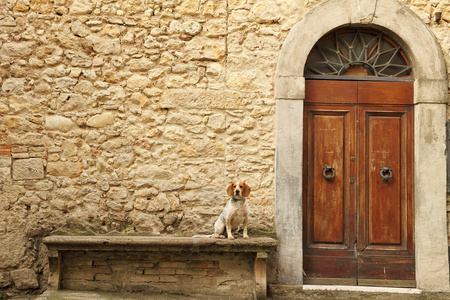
column 261, row 246
column 278, row 291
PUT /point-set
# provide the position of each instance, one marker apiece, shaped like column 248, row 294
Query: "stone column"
column 289, row 191
column 430, row 197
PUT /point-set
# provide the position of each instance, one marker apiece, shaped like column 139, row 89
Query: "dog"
column 234, row 214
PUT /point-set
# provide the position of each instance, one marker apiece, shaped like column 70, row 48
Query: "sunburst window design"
column 358, row 53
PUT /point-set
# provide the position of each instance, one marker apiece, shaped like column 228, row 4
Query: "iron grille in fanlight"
column 358, row 52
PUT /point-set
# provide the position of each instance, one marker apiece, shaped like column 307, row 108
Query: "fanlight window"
column 359, row 53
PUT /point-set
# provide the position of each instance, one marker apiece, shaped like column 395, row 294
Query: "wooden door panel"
column 385, row 236
column 331, row 92
column 328, row 267
column 383, row 197
column 385, row 206
column 364, row 237
column 329, row 139
column 386, row 267
column 329, row 220
column 385, row 93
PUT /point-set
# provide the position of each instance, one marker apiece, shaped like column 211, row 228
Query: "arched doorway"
column 358, row 162
column 429, row 100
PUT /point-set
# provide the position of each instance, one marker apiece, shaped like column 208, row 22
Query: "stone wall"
column 159, row 272
column 134, row 115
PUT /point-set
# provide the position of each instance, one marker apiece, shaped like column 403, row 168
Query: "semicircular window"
column 357, row 52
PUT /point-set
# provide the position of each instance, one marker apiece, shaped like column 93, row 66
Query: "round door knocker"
column 386, row 173
column 326, row 172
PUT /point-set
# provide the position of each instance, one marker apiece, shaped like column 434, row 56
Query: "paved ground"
column 278, row 294
column 74, row 295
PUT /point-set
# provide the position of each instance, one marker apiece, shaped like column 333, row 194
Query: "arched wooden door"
column 358, row 180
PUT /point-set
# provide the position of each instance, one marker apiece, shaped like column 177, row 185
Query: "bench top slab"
column 165, row 243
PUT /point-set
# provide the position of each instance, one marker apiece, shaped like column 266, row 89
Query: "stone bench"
column 182, row 265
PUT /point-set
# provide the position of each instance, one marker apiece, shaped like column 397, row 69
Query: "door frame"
column 430, row 100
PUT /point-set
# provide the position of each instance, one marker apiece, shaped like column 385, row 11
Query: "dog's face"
column 238, row 190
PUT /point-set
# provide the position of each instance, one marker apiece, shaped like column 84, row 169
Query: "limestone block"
column 41, row 6
column 58, row 204
column 137, row 82
column 201, row 148
column 174, row 133
column 5, row 280
column 13, row 85
column 117, row 193
column 176, row 27
column 146, row 222
column 28, row 168
column 133, row 6
column 164, row 202
column 5, row 173
column 65, row 83
column 79, row 29
column 81, row 7
column 5, row 162
column 234, row 128
column 111, row 30
column 217, row 122
column 237, row 4
column 13, row 244
column 201, row 99
column 113, row 205
column 25, row 279
column 192, row 28
column 188, row 7
column 101, row 120
column 84, row 87
column 202, row 48
column 44, row 185
column 214, row 8
column 152, row 172
column 4, row 108
column 114, row 93
column 247, row 80
column 139, row 98
column 42, row 88
column 146, row 192
column 120, row 144
column 80, row 61
column 183, row 118
column 59, row 123
column 265, row 11
column 67, row 169
column 142, row 64
column 17, row 49
column 104, row 45
column 20, row 7
column 215, row 28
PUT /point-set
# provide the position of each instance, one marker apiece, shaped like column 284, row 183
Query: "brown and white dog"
column 234, row 214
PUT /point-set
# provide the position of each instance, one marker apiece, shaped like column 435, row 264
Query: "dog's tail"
column 206, row 236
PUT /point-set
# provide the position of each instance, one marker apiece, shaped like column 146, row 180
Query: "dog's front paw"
column 231, row 237
column 245, row 236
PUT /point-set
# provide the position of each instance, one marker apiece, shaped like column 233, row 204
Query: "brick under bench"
column 182, row 265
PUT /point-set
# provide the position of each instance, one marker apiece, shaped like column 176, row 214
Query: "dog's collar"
column 237, row 199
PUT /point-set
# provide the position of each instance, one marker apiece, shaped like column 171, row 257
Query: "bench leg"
column 260, row 275
column 54, row 279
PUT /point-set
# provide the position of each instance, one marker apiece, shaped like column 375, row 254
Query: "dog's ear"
column 246, row 190
column 230, row 190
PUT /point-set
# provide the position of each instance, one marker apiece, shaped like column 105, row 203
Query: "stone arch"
column 430, row 98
